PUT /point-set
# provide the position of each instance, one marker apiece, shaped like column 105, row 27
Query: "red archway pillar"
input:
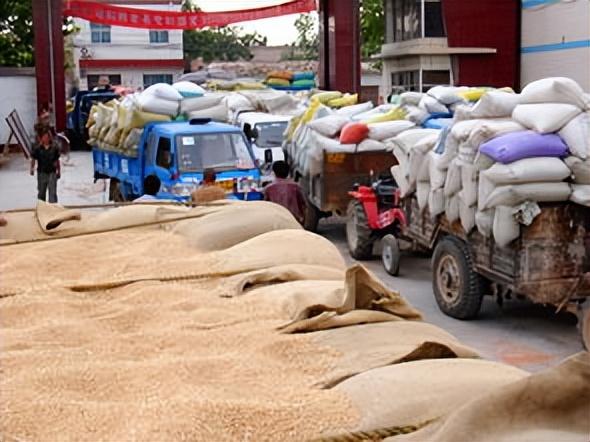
column 340, row 60
column 49, row 57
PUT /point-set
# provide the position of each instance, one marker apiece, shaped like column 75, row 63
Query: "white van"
column 265, row 131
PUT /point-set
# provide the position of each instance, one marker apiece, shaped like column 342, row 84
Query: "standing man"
column 46, row 154
column 208, row 191
column 286, row 192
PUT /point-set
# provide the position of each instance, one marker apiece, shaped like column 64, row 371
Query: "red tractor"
column 374, row 214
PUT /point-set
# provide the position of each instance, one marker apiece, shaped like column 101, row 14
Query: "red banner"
column 149, row 19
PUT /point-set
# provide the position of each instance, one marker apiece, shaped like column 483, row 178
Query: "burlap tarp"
column 365, row 347
column 550, row 406
column 420, row 391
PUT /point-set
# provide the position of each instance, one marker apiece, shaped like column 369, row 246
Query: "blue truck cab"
column 178, row 153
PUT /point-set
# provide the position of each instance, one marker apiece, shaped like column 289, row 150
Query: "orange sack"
column 354, row 133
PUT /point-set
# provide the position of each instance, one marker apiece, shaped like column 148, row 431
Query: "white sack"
column 469, row 187
column 576, row 135
column 482, row 161
column 401, row 180
column 238, row 102
column 369, row 145
column 484, row 221
column 216, row 113
column 403, row 160
column 437, row 176
column 484, row 190
column 349, row 111
column 158, row 105
column 462, row 129
column 506, row 229
column 581, row 194
column 467, row 153
column 388, row 129
column 412, row 98
column 580, row 169
column 409, row 138
column 419, row 160
column 493, row 104
column 514, row 194
column 422, row 193
column 528, row 170
column 452, row 208
column 492, row 129
column 436, row 202
column 545, row 118
column 329, row 126
column 163, row 91
column 199, row 103
column 379, row 110
column 416, row 114
column 453, row 179
column 444, row 94
column 432, row 105
column 554, row 90
column 467, row 216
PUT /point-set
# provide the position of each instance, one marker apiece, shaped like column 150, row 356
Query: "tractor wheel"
column 358, row 234
column 458, row 289
column 390, row 255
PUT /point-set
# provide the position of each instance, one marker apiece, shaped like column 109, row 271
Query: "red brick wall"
column 489, row 24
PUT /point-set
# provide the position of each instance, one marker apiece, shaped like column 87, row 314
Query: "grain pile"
column 193, row 330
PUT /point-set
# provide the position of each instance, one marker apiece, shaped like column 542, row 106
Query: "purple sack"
column 525, row 144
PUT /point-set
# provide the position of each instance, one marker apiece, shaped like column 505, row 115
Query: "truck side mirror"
column 254, row 134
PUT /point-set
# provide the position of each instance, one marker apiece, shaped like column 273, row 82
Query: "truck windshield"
column 220, row 151
column 270, row 134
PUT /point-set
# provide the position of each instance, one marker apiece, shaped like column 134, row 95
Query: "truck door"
column 159, row 157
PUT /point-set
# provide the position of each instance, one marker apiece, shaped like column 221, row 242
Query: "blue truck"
column 178, row 153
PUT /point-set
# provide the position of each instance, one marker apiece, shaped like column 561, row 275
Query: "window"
column 149, row 79
column 407, row 19
column 434, row 78
column 219, row 151
column 433, row 19
column 158, row 36
column 100, row 33
column 270, row 134
column 93, row 80
column 164, row 158
column 409, row 80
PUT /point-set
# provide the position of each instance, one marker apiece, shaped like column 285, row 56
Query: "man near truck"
column 286, row 192
column 208, row 191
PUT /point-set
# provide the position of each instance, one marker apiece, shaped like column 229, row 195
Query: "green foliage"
column 16, row 33
column 306, row 46
column 223, row 44
column 372, row 27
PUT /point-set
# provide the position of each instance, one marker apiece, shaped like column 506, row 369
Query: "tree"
column 16, row 32
column 223, row 43
column 372, row 27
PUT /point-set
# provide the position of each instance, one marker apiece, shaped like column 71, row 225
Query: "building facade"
column 430, row 42
column 555, row 40
column 130, row 57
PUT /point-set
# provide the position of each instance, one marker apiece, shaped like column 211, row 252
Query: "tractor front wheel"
column 358, row 234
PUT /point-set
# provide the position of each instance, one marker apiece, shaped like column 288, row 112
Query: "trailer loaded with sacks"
column 500, row 194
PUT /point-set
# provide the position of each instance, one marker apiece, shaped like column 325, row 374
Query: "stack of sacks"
column 272, row 101
column 209, row 105
column 288, row 80
column 528, row 168
column 160, row 98
column 403, row 146
column 559, row 105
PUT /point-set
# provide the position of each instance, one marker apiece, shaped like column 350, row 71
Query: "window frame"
column 401, row 20
column 155, row 36
column 157, row 78
column 100, row 31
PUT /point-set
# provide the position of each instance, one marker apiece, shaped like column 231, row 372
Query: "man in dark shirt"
column 286, row 192
column 46, row 154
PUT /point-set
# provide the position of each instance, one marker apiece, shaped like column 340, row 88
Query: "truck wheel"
column 458, row 289
column 358, row 234
column 312, row 218
column 115, row 193
column 390, row 255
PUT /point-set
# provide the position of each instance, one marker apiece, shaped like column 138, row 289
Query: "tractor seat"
column 385, row 189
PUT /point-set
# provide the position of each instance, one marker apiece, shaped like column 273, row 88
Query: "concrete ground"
column 519, row 333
